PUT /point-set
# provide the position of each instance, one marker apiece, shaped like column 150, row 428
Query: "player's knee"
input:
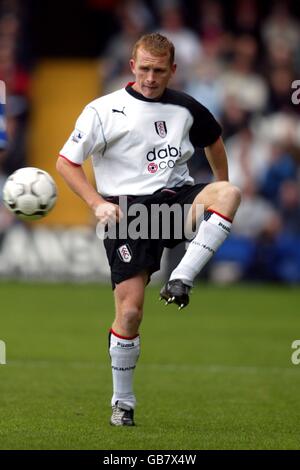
column 131, row 317
column 231, row 193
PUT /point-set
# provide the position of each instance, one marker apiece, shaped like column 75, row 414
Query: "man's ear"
column 132, row 65
column 174, row 68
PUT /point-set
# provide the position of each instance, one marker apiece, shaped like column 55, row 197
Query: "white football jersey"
column 139, row 145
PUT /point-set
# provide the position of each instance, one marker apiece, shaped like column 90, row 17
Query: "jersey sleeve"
column 205, row 129
column 85, row 139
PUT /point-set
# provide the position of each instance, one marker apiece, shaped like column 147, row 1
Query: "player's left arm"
column 217, row 159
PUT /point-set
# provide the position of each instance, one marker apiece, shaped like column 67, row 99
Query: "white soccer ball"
column 30, row 193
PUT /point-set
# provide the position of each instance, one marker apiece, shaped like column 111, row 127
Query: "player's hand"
column 108, row 213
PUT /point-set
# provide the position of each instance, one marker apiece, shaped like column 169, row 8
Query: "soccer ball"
column 30, row 193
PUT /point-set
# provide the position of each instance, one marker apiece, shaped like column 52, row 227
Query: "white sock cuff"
column 117, row 340
column 221, row 221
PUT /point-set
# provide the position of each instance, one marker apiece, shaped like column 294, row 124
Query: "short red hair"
column 156, row 44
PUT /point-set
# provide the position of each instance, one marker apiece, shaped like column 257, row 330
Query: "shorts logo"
column 125, row 253
column 152, row 168
column 161, row 128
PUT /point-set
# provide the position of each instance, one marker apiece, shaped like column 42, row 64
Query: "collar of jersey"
column 139, row 96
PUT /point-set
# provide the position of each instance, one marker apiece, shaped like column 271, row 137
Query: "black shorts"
column 127, row 256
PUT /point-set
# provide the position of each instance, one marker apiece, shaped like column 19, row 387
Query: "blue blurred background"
column 241, row 59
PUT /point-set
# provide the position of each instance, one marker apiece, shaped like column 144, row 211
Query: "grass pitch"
column 217, row 375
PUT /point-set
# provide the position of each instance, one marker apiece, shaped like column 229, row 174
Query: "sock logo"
column 203, row 246
column 207, row 248
column 125, row 345
column 224, row 227
column 123, row 369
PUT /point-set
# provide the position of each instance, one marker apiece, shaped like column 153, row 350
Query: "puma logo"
column 118, row 111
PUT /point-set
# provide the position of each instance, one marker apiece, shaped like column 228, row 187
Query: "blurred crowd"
column 241, row 59
column 14, row 108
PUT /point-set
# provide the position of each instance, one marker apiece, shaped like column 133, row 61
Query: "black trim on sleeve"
column 204, row 131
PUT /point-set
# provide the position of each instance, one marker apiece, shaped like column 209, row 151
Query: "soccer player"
column 140, row 138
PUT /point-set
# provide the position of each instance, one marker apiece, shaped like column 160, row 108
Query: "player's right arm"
column 85, row 139
column 76, row 179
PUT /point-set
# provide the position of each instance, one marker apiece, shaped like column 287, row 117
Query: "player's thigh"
column 129, row 294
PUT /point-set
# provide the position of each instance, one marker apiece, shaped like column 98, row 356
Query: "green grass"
column 217, row 375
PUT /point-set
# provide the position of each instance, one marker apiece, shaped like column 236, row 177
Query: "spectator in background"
column 241, row 256
column 280, row 25
column 187, row 45
column 234, row 117
column 289, row 205
column 16, row 79
column 279, row 92
column 134, row 18
column 204, row 84
column 288, row 242
column 265, row 213
column 266, row 259
column 278, row 55
column 241, row 79
column 248, row 156
column 281, row 36
column 246, row 18
column 6, row 217
column 281, row 168
column 216, row 41
column 211, row 20
column 205, row 87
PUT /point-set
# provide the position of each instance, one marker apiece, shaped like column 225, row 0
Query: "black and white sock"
column 212, row 232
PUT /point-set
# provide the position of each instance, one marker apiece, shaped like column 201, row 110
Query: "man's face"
column 152, row 73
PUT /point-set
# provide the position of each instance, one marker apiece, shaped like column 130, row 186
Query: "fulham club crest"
column 124, row 253
column 161, row 128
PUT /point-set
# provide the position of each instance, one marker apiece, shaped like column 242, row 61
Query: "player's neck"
column 137, row 89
